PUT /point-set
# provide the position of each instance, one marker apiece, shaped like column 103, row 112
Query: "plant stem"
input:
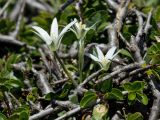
column 65, row 70
column 81, row 58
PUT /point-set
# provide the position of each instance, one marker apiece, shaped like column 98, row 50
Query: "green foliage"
column 134, row 116
column 135, row 92
column 136, row 86
column 126, row 53
column 109, row 94
column 65, row 90
column 2, row 117
column 88, row 99
column 105, row 86
column 22, row 113
column 73, row 98
column 153, row 54
column 114, row 94
column 32, row 96
column 6, row 26
column 8, row 80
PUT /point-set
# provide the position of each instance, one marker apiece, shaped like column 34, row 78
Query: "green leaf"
column 114, row 94
column 30, row 97
column 156, row 15
column 2, row 117
column 105, row 86
column 13, row 83
column 49, row 96
column 153, row 54
column 88, row 99
column 126, row 53
column 138, row 85
column 131, row 96
column 23, row 115
column 128, row 87
column 73, row 98
column 135, row 86
column 6, row 26
column 142, row 98
column 135, row 116
column 66, row 88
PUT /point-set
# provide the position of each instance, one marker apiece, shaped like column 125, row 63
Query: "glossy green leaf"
column 142, row 98
column 114, row 94
column 135, row 86
column 105, row 86
column 131, row 96
column 88, row 99
column 135, row 116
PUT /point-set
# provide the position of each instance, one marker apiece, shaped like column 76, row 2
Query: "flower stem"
column 65, row 70
column 81, row 58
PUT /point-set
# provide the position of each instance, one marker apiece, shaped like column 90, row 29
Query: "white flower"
column 80, row 30
column 104, row 60
column 54, row 36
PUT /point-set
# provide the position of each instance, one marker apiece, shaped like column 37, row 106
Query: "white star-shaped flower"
column 104, row 60
column 54, row 36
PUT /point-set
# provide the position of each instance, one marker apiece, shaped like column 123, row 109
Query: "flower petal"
column 110, row 53
column 100, row 54
column 42, row 34
column 54, row 29
column 67, row 28
column 93, row 57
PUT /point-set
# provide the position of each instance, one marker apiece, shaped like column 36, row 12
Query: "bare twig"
column 44, row 113
column 155, row 111
column 135, row 72
column 40, row 6
column 89, row 78
column 79, row 9
column 65, row 5
column 66, row 104
column 4, row 7
column 15, row 32
column 42, row 82
column 114, row 73
column 121, row 13
column 136, row 52
column 71, row 112
column 112, row 4
column 12, row 41
column 112, row 35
